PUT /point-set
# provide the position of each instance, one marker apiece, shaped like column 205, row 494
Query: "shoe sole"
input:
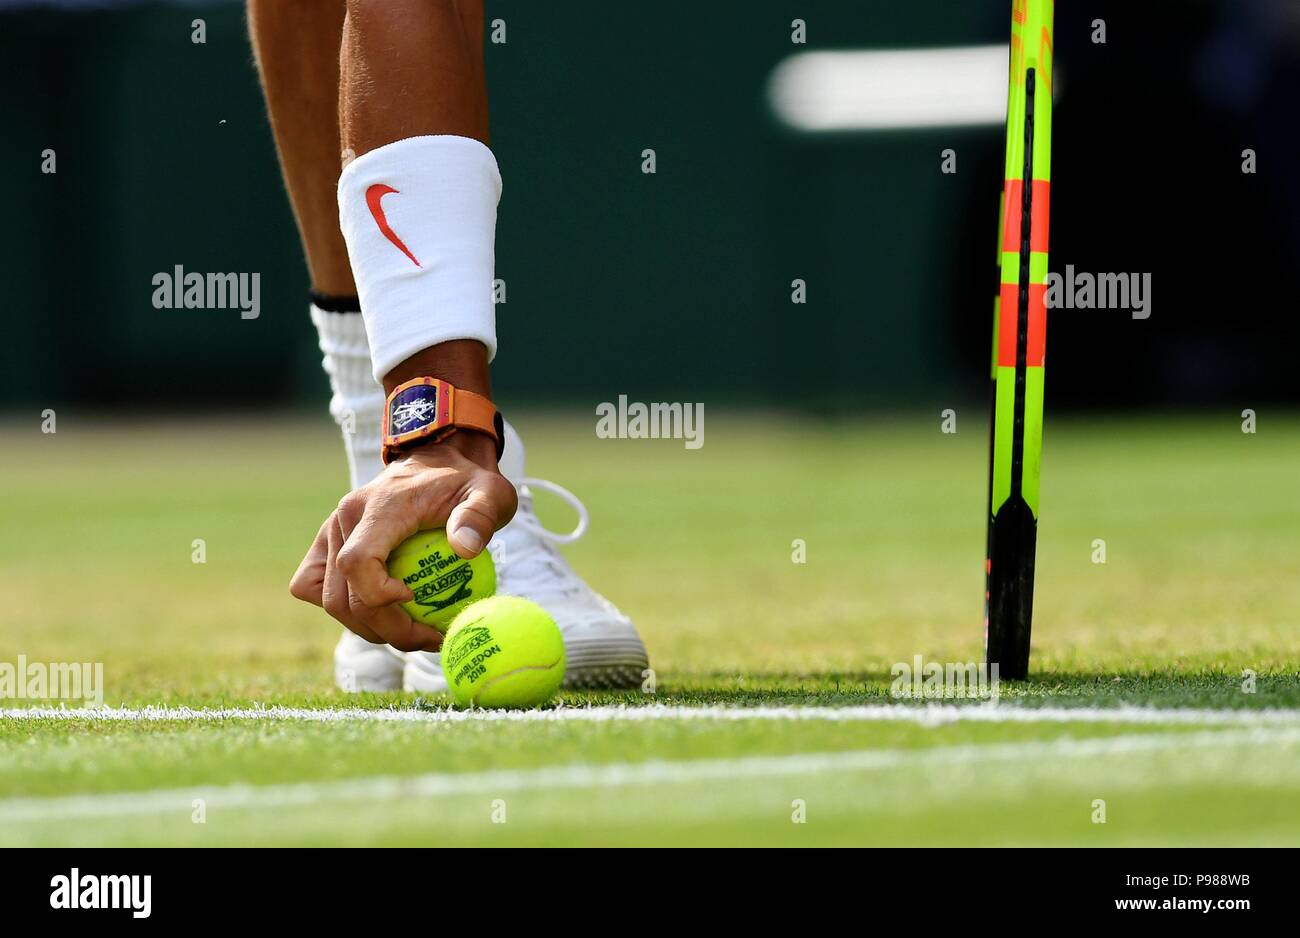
column 601, row 664
column 605, row 663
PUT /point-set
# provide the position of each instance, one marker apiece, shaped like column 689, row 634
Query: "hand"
column 455, row 482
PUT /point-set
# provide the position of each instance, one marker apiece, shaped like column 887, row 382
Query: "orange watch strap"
column 470, row 411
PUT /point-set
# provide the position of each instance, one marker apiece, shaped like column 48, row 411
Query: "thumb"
column 488, row 504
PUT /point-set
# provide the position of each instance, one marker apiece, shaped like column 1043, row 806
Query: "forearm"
column 418, row 205
column 410, row 68
column 463, row 362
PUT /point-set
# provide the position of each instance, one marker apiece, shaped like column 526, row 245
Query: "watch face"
column 415, row 409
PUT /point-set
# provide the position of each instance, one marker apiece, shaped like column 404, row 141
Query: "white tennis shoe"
column 360, row 665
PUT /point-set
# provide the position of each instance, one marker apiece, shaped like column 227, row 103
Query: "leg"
column 296, row 44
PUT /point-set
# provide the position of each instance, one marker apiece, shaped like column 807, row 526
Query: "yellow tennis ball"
column 504, row 651
column 443, row 582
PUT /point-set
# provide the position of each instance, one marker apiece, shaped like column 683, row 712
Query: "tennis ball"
column 503, row 651
column 443, row 582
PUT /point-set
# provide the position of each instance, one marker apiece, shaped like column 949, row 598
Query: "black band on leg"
column 335, row 304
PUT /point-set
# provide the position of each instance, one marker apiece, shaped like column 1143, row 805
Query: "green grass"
column 1225, row 795
column 1201, row 525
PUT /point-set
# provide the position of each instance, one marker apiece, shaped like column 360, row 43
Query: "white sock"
column 419, row 218
column 512, row 457
column 357, row 401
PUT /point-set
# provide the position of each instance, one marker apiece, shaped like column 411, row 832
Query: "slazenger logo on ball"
column 455, row 581
column 468, row 640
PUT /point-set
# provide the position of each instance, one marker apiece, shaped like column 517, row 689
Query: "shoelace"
column 530, row 557
column 529, row 519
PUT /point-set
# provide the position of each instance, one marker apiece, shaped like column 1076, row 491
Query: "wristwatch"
column 430, row 409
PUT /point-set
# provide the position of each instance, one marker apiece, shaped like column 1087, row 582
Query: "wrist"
column 442, row 394
column 462, row 363
column 478, row 448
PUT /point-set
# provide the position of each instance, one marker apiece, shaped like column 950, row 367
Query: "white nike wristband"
column 419, row 217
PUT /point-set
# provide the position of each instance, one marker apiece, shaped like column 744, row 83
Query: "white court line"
column 496, row 783
column 934, row 714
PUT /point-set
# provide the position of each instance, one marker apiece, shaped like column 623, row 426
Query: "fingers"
column 487, row 506
column 308, row 579
column 396, row 627
column 363, row 559
column 387, row 625
column 336, row 598
column 345, row 571
column 319, row 582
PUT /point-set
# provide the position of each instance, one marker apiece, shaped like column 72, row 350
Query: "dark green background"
column 666, row 287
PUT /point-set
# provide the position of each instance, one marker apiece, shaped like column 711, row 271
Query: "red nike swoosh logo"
column 373, row 195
